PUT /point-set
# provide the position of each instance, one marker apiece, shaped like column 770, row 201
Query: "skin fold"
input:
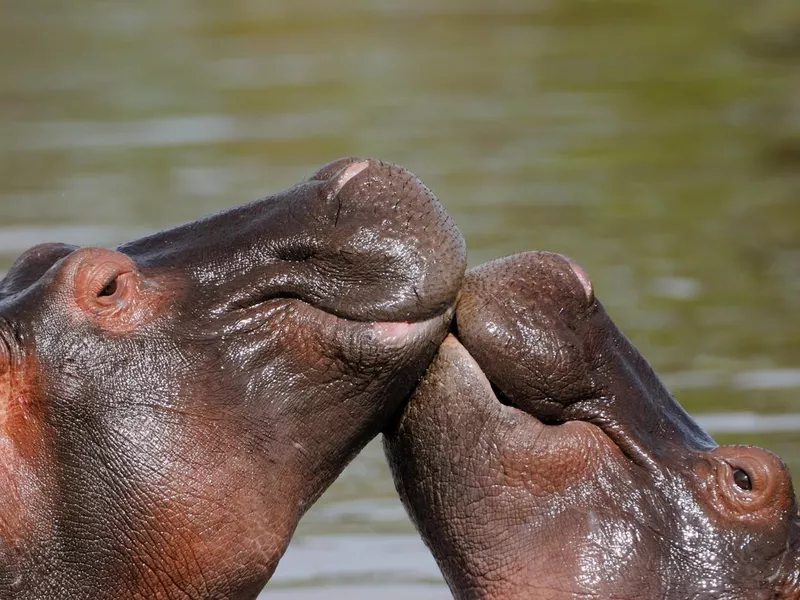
column 542, row 458
column 171, row 408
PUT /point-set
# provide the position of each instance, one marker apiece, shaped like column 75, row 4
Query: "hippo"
column 169, row 409
column 542, row 458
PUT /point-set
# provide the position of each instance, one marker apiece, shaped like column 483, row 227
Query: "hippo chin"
column 169, row 409
column 542, row 458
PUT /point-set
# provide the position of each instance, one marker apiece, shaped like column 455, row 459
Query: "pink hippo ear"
column 746, row 484
column 110, row 290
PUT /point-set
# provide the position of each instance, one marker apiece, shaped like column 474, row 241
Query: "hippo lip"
column 388, row 333
column 633, row 446
column 624, row 440
column 398, row 332
column 587, row 411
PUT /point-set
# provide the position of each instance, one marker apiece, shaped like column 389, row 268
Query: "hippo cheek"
column 321, row 387
column 512, row 507
column 257, row 482
column 25, row 455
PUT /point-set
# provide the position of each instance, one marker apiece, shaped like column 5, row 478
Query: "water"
column 659, row 145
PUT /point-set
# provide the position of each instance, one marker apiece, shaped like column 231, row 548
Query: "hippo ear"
column 364, row 240
column 30, row 267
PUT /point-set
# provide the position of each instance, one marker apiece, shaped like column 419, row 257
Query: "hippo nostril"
column 742, row 479
column 584, row 279
column 347, row 174
column 330, row 170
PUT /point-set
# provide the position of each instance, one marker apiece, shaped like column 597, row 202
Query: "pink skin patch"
column 400, row 333
column 583, row 277
column 395, row 331
column 348, row 173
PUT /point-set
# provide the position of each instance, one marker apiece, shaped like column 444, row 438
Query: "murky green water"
column 656, row 143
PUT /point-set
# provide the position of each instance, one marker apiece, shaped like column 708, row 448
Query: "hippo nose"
column 404, row 252
column 379, row 245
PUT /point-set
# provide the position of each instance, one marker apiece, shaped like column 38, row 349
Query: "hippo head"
column 541, row 457
column 169, row 409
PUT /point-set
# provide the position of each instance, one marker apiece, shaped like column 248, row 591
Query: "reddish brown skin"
column 171, row 408
column 542, row 458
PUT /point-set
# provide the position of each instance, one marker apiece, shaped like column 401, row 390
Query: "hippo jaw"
column 171, row 408
column 542, row 458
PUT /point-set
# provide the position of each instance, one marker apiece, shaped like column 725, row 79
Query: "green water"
column 656, row 143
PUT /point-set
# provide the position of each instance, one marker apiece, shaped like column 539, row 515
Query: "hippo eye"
column 109, row 290
column 742, row 479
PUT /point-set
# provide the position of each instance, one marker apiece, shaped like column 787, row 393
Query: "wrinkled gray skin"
column 170, row 409
column 542, row 458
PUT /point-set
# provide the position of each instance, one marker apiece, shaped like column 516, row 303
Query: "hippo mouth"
column 259, row 319
column 616, row 433
column 550, row 350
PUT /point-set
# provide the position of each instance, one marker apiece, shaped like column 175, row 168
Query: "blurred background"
column 658, row 144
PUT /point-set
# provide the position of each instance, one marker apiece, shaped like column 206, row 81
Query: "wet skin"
column 169, row 409
column 542, row 458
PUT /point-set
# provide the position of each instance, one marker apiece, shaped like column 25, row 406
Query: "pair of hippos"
column 171, row 408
